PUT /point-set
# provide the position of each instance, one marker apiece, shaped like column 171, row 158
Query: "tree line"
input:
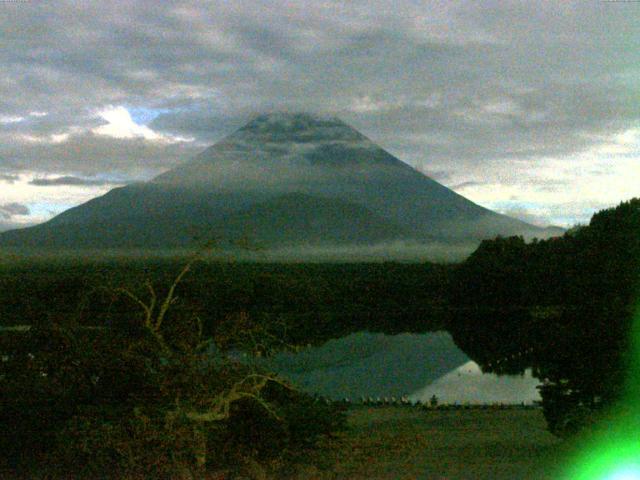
column 563, row 306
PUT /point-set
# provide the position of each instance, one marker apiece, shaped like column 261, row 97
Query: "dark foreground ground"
column 408, row 443
column 394, row 443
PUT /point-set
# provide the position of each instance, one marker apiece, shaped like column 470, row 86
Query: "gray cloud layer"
column 9, row 210
column 68, row 181
column 9, row 178
column 444, row 85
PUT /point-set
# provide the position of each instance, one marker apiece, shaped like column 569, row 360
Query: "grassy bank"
column 408, row 443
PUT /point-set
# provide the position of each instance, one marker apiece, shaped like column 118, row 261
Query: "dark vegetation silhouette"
column 152, row 398
column 117, row 376
column 563, row 306
column 318, row 301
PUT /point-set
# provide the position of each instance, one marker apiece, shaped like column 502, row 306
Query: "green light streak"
column 613, row 452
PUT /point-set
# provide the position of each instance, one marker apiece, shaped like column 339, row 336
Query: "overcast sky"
column 529, row 108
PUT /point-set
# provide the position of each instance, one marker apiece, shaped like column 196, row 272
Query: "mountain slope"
column 371, row 364
column 323, row 156
column 178, row 218
column 280, row 179
column 296, row 218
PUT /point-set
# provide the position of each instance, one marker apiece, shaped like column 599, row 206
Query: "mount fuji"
column 283, row 180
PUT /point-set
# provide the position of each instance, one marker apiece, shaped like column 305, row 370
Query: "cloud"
column 5, row 178
column 526, row 215
column 4, row 119
column 463, row 185
column 476, row 89
column 121, row 125
column 88, row 154
column 68, row 181
column 10, row 210
column 561, row 191
column 43, row 203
